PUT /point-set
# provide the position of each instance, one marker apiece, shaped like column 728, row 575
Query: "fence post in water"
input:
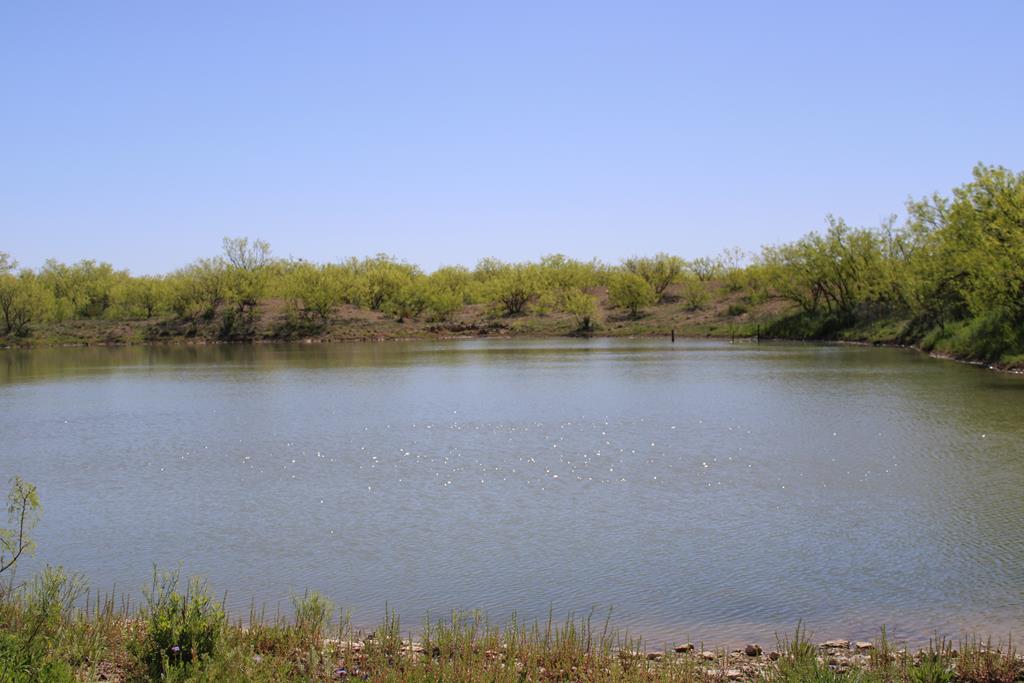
column 673, row 335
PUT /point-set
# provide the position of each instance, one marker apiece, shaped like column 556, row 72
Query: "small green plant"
column 180, row 628
column 313, row 614
column 931, row 670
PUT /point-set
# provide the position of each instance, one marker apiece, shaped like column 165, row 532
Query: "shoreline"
column 184, row 342
column 184, row 634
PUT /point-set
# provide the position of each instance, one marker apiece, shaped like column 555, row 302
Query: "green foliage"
column 315, row 291
column 32, row 646
column 21, row 664
column 85, row 289
column 837, row 272
column 659, row 271
column 985, row 222
column 632, row 292
column 246, row 269
column 23, row 300
column 990, row 336
column 694, row 293
column 800, row 663
column 408, row 301
column 731, row 268
column 559, row 273
column 511, row 286
column 23, row 510
column 180, row 628
column 199, row 289
column 582, row 307
column 381, row 282
column 146, row 296
column 313, row 613
column 932, row 668
column 704, row 269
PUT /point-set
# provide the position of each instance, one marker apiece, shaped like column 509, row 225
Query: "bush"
column 582, row 307
column 313, row 613
column 632, row 292
column 30, row 650
column 20, row 664
column 694, row 293
column 986, row 338
column 179, row 628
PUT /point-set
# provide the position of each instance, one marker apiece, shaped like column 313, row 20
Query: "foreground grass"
column 50, row 630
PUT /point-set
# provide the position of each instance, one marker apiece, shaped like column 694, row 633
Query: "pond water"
column 701, row 490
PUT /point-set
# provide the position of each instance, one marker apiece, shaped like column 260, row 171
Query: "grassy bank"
column 52, row 630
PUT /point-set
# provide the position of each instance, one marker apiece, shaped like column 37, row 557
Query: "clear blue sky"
column 141, row 133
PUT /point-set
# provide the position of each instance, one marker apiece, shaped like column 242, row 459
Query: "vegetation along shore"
column 949, row 280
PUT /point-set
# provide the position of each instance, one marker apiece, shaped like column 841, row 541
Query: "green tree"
column 985, row 226
column 199, row 289
column 659, row 272
column 704, row 269
column 23, row 511
column 317, row 290
column 837, row 271
column 512, row 287
column 730, row 267
column 582, row 307
column 146, row 295
column 631, row 292
column 247, row 272
column 408, row 301
column 447, row 290
column 85, row 289
column 558, row 273
column 23, row 300
column 694, row 292
column 380, row 279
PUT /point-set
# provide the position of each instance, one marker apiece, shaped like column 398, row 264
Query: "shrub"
column 632, row 292
column 29, row 651
column 313, row 613
column 987, row 338
column 179, row 628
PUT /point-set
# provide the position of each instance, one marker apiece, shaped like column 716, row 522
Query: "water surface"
column 702, row 490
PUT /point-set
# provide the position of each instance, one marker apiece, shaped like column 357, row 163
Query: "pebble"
column 685, row 647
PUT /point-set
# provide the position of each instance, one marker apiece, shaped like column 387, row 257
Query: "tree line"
column 950, row 276
column 234, row 283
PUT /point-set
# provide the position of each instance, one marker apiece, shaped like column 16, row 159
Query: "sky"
column 142, row 133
